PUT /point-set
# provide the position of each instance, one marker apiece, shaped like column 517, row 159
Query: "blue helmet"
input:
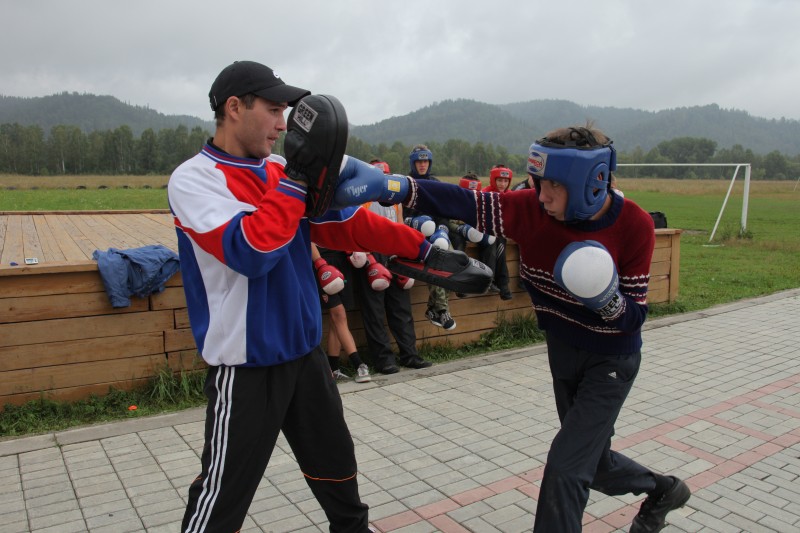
column 577, row 168
column 420, row 154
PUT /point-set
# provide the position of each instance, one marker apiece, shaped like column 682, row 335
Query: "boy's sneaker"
column 362, row 374
column 338, row 375
column 441, row 319
column 653, row 512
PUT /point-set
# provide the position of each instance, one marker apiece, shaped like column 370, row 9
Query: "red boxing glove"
column 330, row 278
column 403, row 282
column 378, row 275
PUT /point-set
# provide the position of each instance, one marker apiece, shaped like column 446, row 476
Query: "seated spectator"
column 381, row 294
column 337, row 297
column 494, row 255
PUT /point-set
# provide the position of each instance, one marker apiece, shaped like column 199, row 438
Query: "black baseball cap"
column 244, row 77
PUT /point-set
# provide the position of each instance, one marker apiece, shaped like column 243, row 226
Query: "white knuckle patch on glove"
column 588, row 272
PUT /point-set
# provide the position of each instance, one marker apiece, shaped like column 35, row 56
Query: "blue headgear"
column 420, row 155
column 575, row 166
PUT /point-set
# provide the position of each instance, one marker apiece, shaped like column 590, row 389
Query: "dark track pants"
column 247, row 408
column 394, row 303
column 589, row 389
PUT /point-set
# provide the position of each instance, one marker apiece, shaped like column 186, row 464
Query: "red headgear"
column 500, row 172
column 383, row 165
column 471, row 182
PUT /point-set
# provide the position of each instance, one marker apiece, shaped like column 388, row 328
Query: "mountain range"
column 512, row 126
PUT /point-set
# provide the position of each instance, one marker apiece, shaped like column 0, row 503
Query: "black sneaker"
column 653, row 512
column 416, row 362
column 447, row 321
column 388, row 369
column 441, row 319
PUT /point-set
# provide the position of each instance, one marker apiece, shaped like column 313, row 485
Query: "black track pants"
column 589, row 389
column 247, row 408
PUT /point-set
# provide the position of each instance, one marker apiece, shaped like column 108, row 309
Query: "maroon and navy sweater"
column 625, row 230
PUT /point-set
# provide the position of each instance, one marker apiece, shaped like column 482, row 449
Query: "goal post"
column 737, row 166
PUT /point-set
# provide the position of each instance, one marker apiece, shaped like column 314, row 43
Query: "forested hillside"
column 71, row 133
column 515, row 126
column 90, row 113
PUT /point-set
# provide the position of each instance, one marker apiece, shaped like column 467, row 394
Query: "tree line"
column 67, row 150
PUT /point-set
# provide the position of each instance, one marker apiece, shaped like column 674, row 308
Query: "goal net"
column 736, row 167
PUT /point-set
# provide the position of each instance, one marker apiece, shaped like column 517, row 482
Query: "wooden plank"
column 63, row 306
column 663, row 241
column 59, row 283
column 658, row 296
column 73, row 394
column 77, row 374
column 12, row 245
column 123, row 234
column 30, row 239
column 674, row 271
column 185, row 360
column 179, row 339
column 175, row 281
column 64, row 329
column 661, row 254
column 3, row 229
column 81, row 240
column 181, row 318
column 169, row 298
column 50, row 249
column 152, row 232
column 79, row 351
column 70, row 249
column 660, row 268
column 87, row 224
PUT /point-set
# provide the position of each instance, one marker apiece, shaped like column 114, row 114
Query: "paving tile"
column 461, row 447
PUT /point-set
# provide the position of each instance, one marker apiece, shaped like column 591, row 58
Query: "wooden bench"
column 61, row 339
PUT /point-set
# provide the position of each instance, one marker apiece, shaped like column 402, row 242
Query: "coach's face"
column 260, row 127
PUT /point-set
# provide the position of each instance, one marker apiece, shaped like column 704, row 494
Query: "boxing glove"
column 473, row 235
column 360, row 182
column 330, row 278
column 423, row 224
column 587, row 272
column 403, row 282
column 357, row 259
column 378, row 275
column 440, row 238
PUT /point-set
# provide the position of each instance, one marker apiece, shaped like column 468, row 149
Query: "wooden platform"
column 71, row 237
column 60, row 338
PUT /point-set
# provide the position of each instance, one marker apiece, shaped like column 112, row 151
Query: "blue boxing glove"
column 360, row 182
column 422, row 223
column 441, row 237
column 473, row 235
column 587, row 272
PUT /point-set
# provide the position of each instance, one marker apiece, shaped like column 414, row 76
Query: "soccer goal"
column 737, row 166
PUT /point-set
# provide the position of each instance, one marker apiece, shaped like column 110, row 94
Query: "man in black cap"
column 251, row 294
column 245, row 221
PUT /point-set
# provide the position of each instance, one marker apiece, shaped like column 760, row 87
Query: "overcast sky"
column 389, row 58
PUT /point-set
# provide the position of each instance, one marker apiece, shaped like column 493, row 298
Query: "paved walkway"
column 460, row 446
